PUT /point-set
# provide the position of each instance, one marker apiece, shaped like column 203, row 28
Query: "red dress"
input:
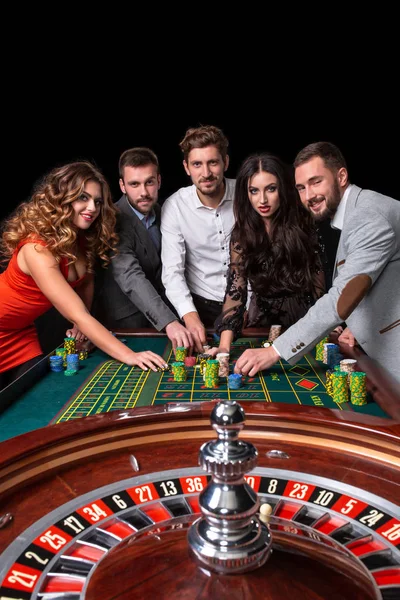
column 21, row 302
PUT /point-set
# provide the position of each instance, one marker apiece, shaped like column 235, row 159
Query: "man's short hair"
column 203, row 136
column 330, row 154
column 137, row 157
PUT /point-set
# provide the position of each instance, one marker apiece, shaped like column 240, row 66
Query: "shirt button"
column 298, row 347
column 223, row 248
column 301, row 344
column 293, row 349
column 224, row 264
column 217, row 214
column 220, row 231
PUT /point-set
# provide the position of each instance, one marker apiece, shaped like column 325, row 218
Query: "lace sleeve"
column 319, row 283
column 234, row 307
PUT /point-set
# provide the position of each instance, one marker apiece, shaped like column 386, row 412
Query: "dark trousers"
column 12, row 374
column 209, row 310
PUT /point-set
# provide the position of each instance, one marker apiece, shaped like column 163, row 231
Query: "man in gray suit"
column 365, row 290
column 132, row 295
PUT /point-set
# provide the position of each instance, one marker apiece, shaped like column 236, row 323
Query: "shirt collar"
column 147, row 220
column 199, row 203
column 338, row 219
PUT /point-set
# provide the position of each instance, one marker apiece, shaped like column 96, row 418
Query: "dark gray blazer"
column 132, row 284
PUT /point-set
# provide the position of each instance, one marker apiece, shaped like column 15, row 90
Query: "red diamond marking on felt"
column 308, row 385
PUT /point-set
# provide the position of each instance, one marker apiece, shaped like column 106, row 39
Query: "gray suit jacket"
column 366, row 285
column 132, row 284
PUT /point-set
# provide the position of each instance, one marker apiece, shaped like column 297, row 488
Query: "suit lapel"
column 139, row 230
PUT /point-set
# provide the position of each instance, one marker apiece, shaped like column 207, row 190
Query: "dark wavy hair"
column 287, row 258
column 48, row 215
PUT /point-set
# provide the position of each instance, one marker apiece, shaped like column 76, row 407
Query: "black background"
column 41, row 134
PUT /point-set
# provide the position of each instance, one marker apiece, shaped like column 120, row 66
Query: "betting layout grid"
column 114, row 386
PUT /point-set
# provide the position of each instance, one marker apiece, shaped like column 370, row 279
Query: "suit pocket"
column 391, row 326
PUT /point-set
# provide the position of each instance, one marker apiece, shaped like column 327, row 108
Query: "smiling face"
column 87, row 207
column 206, row 168
column 320, row 189
column 263, row 194
column 141, row 185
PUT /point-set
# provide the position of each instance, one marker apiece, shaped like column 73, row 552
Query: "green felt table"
column 104, row 385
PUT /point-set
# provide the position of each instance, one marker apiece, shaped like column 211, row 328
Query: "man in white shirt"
column 196, row 225
column 364, row 292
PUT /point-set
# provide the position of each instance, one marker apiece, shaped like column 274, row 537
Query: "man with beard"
column 132, row 294
column 365, row 289
column 196, row 225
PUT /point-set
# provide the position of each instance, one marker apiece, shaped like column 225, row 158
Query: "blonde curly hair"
column 48, row 215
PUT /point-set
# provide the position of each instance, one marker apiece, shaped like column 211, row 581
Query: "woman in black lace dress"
column 274, row 248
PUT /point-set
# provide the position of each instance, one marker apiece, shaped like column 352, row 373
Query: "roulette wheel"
column 103, row 507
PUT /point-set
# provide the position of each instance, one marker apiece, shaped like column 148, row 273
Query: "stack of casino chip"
column 340, row 387
column 72, row 364
column 235, row 381
column 70, row 345
column 56, row 364
column 274, row 332
column 203, row 358
column 332, row 355
column 180, row 354
column 348, row 365
column 358, row 388
column 211, row 376
column 329, row 382
column 190, row 361
column 62, row 352
column 223, row 359
column 179, row 371
column 319, row 349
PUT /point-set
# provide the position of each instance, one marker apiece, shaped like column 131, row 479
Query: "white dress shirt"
column 338, row 218
column 195, row 246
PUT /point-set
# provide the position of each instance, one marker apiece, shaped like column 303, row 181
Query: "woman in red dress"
column 52, row 242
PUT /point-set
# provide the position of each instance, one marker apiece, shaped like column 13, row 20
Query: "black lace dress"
column 284, row 307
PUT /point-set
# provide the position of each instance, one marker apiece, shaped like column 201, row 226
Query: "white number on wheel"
column 119, row 502
column 74, row 524
column 94, row 512
column 22, row 578
column 53, row 539
column 324, row 498
column 373, row 517
column 144, row 493
column 250, row 480
column 299, row 491
column 393, row 533
column 169, row 488
column 273, row 484
column 42, row 561
column 194, row 484
column 348, row 507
